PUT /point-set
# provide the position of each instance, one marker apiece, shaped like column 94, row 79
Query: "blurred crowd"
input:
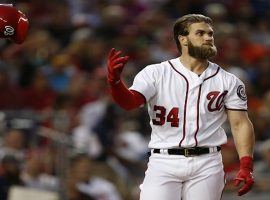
column 59, row 128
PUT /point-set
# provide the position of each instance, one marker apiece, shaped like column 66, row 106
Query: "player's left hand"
column 245, row 175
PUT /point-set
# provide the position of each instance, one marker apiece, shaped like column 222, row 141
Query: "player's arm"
column 243, row 134
column 127, row 99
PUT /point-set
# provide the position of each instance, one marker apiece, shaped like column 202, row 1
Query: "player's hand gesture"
column 244, row 175
column 115, row 65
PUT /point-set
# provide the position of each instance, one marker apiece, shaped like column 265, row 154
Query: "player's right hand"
column 115, row 65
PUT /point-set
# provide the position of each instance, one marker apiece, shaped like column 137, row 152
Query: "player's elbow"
column 244, row 124
column 128, row 107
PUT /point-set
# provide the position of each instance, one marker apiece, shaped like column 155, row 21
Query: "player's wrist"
column 246, row 162
column 113, row 82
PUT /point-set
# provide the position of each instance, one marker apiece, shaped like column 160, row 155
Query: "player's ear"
column 183, row 40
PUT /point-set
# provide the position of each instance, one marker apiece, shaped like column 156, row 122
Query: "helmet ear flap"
column 22, row 29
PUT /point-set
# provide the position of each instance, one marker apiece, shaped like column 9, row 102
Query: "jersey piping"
column 198, row 116
column 198, row 104
column 185, row 105
column 212, row 75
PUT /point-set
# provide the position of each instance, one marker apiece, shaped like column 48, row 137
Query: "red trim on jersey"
column 198, row 115
column 125, row 98
column 212, row 75
column 234, row 109
column 185, row 106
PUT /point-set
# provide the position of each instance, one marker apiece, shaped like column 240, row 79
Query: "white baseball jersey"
column 187, row 110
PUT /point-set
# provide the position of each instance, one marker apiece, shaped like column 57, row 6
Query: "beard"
column 201, row 52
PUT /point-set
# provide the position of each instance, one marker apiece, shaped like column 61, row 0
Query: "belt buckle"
column 186, row 153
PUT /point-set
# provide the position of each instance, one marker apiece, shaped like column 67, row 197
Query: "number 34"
column 162, row 117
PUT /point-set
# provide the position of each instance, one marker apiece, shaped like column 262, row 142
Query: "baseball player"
column 188, row 99
column 13, row 24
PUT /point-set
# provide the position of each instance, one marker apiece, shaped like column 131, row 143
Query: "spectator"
column 10, row 93
column 9, row 175
column 81, row 181
column 262, row 172
column 86, row 141
column 33, row 175
column 39, row 96
column 13, row 144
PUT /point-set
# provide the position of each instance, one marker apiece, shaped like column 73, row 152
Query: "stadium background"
column 58, row 124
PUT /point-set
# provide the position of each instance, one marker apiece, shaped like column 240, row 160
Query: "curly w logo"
column 9, row 30
column 216, row 100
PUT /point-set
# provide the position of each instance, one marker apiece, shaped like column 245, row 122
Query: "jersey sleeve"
column 236, row 97
column 144, row 82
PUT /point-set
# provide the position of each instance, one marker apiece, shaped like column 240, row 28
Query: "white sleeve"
column 236, row 99
column 145, row 82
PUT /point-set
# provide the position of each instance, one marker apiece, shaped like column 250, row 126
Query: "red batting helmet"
column 13, row 23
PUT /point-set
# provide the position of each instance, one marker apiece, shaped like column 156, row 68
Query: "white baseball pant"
column 176, row 177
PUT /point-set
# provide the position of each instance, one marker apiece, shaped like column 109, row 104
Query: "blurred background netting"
column 60, row 132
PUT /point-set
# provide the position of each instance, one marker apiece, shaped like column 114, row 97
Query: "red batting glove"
column 115, row 66
column 245, row 175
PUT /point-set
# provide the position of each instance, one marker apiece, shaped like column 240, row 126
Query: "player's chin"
column 209, row 48
column 209, row 52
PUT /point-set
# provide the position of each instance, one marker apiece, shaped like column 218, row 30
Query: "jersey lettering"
column 216, row 100
column 161, row 118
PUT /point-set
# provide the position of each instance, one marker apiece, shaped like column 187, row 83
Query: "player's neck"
column 195, row 65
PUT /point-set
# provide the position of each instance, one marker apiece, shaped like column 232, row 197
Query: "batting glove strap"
column 246, row 162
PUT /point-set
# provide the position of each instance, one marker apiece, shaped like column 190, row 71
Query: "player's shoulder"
column 223, row 73
column 157, row 67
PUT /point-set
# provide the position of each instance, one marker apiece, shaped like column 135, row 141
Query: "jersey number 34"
column 162, row 117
